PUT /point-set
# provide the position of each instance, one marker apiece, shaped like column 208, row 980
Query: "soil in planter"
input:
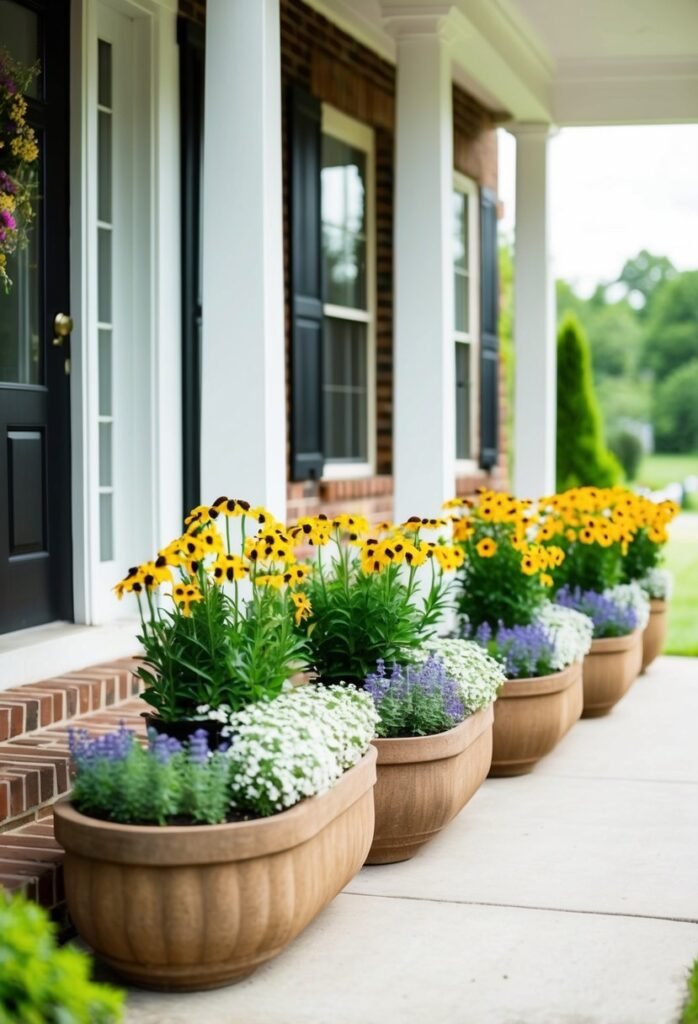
column 234, row 816
column 184, row 729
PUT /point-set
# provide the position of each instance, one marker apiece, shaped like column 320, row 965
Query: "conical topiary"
column 582, row 457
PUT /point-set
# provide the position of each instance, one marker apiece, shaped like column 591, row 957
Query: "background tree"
column 671, row 334
column 642, row 276
column 582, row 457
column 676, row 410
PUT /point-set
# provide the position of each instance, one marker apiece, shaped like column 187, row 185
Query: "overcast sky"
column 615, row 191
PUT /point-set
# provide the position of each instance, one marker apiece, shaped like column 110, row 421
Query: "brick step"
column 33, row 775
column 25, row 709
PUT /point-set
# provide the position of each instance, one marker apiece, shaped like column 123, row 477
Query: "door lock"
column 62, row 326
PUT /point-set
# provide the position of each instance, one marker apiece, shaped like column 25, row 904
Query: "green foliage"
column 41, row 983
column 589, row 566
column 582, row 458
column 682, row 563
column 495, row 589
column 358, row 618
column 671, row 337
column 643, row 275
column 119, row 780
column 676, row 408
column 642, row 555
column 219, row 653
column 506, row 337
column 627, row 448
column 690, row 1010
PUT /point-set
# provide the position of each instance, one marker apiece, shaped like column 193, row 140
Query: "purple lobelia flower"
column 112, row 746
column 523, row 651
column 609, row 618
column 163, row 747
column 407, row 687
column 198, row 747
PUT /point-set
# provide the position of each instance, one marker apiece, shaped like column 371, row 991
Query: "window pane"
column 21, row 350
column 344, row 223
column 104, row 188
column 463, row 441
column 105, row 373
column 106, row 527
column 104, row 275
column 105, row 466
column 104, row 74
column 460, row 230
column 345, row 391
column 20, row 37
column 461, row 296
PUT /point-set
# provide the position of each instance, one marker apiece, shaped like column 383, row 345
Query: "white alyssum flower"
column 633, row 597
column 297, row 745
column 478, row 676
column 570, row 631
column 658, row 584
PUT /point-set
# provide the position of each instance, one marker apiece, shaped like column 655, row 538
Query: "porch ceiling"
column 600, row 62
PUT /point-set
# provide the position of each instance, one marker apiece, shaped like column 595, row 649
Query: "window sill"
column 347, row 471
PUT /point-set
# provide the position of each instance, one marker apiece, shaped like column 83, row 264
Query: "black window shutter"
column 306, row 285
column 191, row 37
column 489, row 338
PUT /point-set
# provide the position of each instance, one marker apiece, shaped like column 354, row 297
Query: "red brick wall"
column 338, row 70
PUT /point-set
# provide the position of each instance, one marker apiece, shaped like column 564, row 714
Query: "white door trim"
column 150, row 452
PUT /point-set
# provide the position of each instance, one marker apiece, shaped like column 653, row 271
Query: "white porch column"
column 424, row 412
column 243, row 397
column 535, row 397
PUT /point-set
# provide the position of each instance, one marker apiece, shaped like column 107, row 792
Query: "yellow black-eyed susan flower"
column 185, row 595
column 296, row 574
column 303, row 606
column 228, row 568
column 153, row 575
column 274, row 580
column 486, row 547
column 132, row 583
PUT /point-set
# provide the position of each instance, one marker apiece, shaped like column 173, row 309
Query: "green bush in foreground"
column 41, row 983
column 690, row 1010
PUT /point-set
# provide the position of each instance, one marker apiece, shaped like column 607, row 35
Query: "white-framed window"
column 466, row 317
column 349, row 295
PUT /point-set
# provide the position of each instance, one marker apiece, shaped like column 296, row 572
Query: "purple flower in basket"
column 523, row 651
column 163, row 747
column 609, row 618
column 113, row 746
column 198, row 747
column 415, row 700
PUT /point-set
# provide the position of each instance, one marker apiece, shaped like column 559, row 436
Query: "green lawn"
column 682, row 562
column 656, row 471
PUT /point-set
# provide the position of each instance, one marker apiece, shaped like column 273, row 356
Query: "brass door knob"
column 62, row 326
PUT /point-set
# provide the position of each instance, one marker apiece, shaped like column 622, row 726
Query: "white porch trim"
column 535, row 392
column 243, row 424
column 424, row 452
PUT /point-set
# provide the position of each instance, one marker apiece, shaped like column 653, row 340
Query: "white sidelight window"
column 466, row 320
column 349, row 301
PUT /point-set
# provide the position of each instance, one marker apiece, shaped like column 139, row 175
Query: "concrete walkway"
column 569, row 896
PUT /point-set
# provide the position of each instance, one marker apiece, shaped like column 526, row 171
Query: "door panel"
column 35, row 516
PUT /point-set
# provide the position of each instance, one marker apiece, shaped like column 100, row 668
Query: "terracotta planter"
column 610, row 669
column 424, row 781
column 531, row 716
column 654, row 634
column 191, row 908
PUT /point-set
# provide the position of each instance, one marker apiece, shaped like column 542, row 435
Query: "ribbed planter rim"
column 171, row 845
column 406, row 749
column 615, row 644
column 538, row 686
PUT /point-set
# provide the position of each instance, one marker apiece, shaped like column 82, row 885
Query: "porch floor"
column 568, row 896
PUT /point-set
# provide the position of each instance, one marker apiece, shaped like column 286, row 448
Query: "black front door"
column 35, row 518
